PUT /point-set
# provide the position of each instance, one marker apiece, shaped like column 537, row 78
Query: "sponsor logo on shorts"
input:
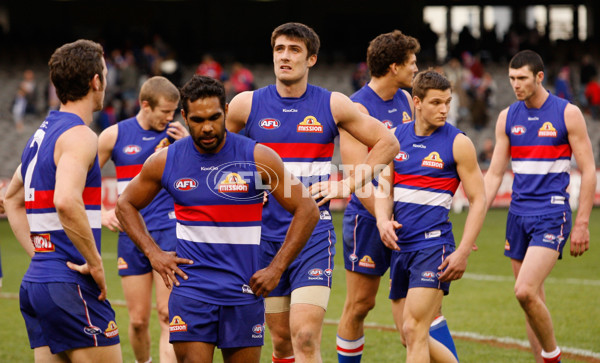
column 122, row 264
column 269, row 123
column 177, row 325
column 185, row 184
column 41, row 242
column 506, row 246
column 388, row 124
column 428, row 276
column 433, row 160
column 132, row 149
column 315, row 274
column 353, row 258
column 406, row 117
column 518, row 130
column 549, row 238
column 367, row 262
column 247, row 290
column 92, row 330
column 547, row 130
column 325, row 215
column 257, row 330
column 233, row 183
column 112, row 330
column 328, row 272
column 402, row 156
column 310, row 124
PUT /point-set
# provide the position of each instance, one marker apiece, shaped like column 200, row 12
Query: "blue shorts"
column 418, row 269
column 132, row 261
column 363, row 250
column 225, row 326
column 312, row 267
column 546, row 230
column 66, row 316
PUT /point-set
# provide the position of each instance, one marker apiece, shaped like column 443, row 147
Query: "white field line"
column 551, row 280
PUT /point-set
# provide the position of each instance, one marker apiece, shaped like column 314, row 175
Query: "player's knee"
column 305, row 340
column 524, row 295
column 163, row 314
column 138, row 325
column 360, row 308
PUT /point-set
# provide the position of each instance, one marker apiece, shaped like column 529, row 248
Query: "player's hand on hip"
column 387, row 232
column 453, row 266
column 110, row 221
column 165, row 263
column 327, row 190
column 264, row 281
column 580, row 240
column 97, row 274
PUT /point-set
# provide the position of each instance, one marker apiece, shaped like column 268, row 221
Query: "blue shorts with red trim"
column 66, row 316
column 547, row 230
column 225, row 326
column 418, row 269
column 132, row 261
column 363, row 250
column 312, row 267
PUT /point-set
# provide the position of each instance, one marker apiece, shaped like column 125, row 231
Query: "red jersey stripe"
column 220, row 213
column 540, row 151
column 449, row 184
column 128, row 171
column 302, row 150
column 45, row 198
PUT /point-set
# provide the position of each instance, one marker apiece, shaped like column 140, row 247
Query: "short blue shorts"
column 66, row 316
column 312, row 267
column 234, row 326
column 418, row 269
column 547, row 230
column 363, row 250
column 132, row 261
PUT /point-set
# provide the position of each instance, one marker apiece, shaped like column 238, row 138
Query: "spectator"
column 562, row 85
column 485, row 155
column 18, row 108
column 587, row 71
column 241, row 80
column 210, row 67
column 592, row 95
column 360, row 77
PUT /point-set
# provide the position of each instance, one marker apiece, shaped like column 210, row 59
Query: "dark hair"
column 300, row 32
column 201, row 87
column 72, row 68
column 389, row 48
column 527, row 58
column 429, row 79
column 155, row 88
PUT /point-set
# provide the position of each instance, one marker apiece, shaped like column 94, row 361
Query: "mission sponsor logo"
column 162, row 144
column 402, row 156
column 367, row 262
column 310, row 124
column 406, row 117
column 433, row 160
column 185, row 184
column 269, row 123
column 177, row 325
column 41, row 242
column 122, row 264
column 547, row 130
column 132, row 149
column 112, row 330
column 233, row 183
column 518, row 130
column 506, row 246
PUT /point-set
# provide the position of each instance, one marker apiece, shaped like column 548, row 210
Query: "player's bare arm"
column 384, row 209
column 369, row 132
column 293, row 196
column 106, row 144
column 74, row 156
column 239, row 111
column 500, row 158
column 584, row 156
column 140, row 191
column 14, row 205
column 472, row 180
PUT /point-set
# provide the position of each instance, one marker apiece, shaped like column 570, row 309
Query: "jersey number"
column 38, row 137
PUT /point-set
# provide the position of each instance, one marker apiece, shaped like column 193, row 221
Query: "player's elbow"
column 390, row 146
column 65, row 202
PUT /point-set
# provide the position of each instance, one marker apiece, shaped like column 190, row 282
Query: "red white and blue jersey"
column 218, row 209
column 541, row 157
column 302, row 131
column 425, row 180
column 52, row 246
column 133, row 146
column 392, row 113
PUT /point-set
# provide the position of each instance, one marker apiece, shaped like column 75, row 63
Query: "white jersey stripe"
column 121, row 185
column 422, row 197
column 46, row 222
column 541, row 167
column 226, row 235
column 308, row 169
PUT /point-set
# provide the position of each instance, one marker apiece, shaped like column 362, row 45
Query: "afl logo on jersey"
column 402, row 156
column 132, row 149
column 388, row 124
column 547, row 130
column 518, row 130
column 433, row 160
column 310, row 124
column 269, row 123
column 185, row 184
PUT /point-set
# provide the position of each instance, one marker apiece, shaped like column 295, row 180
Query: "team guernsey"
column 302, row 131
column 541, row 157
column 52, row 246
column 218, row 208
column 133, row 146
column 425, row 180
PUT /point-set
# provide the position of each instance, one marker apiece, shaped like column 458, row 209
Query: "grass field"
column 482, row 313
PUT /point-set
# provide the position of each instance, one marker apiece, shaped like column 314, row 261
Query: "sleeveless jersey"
column 218, row 210
column 541, row 157
column 302, row 131
column 425, row 180
column 392, row 113
column 133, row 146
column 52, row 246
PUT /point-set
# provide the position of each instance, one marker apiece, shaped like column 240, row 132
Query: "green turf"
column 484, row 307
